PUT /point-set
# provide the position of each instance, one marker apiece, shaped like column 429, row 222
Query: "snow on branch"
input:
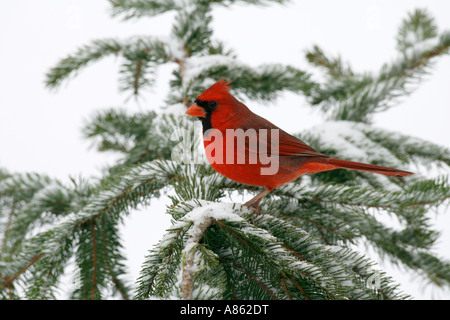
column 138, row 8
column 269, row 256
column 421, row 193
column 365, row 143
column 200, row 219
column 357, row 96
column 140, row 55
column 418, row 27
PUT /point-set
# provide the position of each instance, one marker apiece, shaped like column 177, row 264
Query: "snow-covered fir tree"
column 300, row 247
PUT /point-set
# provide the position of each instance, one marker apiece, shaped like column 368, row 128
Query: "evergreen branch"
column 8, row 280
column 217, row 250
column 388, row 242
column 324, row 229
column 19, row 193
column 115, row 267
column 256, row 281
column 85, row 55
column 188, row 186
column 137, row 186
column 263, row 83
column 355, row 143
column 238, row 237
column 407, row 148
column 8, row 226
column 94, row 258
column 364, row 269
column 252, row 243
column 194, row 255
column 188, row 254
column 365, row 143
column 417, row 27
column 286, row 289
column 4, row 174
column 137, row 76
column 23, row 186
column 267, row 81
column 301, row 290
column 170, row 137
column 140, row 54
column 192, row 28
column 111, row 130
column 99, row 250
column 357, row 97
column 341, row 263
column 334, row 67
column 422, row 193
column 432, row 267
column 119, row 286
column 159, row 269
column 138, row 8
column 55, row 244
column 251, row 2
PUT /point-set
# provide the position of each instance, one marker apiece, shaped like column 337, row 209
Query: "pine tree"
column 300, row 247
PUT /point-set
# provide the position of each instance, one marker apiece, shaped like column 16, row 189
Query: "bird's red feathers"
column 295, row 157
column 218, row 91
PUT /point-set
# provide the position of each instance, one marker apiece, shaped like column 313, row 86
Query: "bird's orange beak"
column 196, row 111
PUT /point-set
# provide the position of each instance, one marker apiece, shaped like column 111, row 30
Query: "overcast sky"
column 40, row 130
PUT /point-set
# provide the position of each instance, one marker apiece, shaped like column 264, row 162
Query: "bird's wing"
column 292, row 146
column 278, row 141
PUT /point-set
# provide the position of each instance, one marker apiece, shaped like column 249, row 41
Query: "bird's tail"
column 368, row 167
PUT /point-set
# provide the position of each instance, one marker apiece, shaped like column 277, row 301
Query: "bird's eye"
column 212, row 105
column 209, row 106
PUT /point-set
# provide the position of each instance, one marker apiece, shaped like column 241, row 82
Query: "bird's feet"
column 254, row 205
column 254, row 202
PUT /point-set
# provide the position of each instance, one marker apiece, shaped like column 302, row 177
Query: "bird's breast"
column 249, row 157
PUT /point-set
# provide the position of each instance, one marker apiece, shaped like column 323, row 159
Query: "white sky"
column 40, row 130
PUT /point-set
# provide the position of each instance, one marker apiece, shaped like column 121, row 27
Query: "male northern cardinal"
column 221, row 113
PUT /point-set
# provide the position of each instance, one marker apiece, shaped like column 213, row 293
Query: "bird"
column 225, row 119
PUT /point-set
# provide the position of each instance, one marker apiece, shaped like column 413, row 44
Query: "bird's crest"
column 217, row 91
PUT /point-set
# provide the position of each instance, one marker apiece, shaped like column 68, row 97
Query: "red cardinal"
column 222, row 115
